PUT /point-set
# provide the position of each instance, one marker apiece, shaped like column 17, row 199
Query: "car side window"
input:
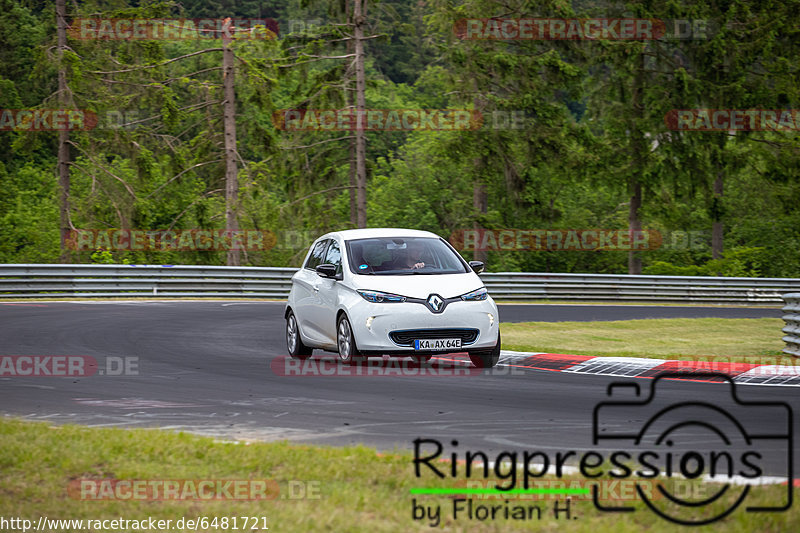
column 334, row 257
column 317, row 253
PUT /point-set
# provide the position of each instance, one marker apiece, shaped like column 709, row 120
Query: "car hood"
column 421, row 285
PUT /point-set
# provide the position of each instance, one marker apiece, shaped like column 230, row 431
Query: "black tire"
column 294, row 343
column 487, row 359
column 346, row 341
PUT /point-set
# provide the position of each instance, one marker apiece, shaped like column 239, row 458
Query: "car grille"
column 406, row 337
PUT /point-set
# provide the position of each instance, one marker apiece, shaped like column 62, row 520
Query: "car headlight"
column 476, row 295
column 381, row 297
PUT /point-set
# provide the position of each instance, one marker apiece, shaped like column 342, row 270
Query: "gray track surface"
column 205, row 367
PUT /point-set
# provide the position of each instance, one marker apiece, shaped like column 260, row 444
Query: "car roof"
column 367, row 233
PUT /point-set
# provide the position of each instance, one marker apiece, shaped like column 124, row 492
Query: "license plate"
column 437, row 344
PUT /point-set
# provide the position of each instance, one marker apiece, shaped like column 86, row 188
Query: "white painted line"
column 519, row 355
column 770, row 371
column 615, row 366
column 508, row 356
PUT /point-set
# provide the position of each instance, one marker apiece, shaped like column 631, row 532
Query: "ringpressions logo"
column 670, row 443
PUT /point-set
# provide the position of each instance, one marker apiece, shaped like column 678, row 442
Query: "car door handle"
column 315, row 288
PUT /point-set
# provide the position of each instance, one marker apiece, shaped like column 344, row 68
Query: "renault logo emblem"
column 436, row 303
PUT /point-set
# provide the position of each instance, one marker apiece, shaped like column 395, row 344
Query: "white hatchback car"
column 390, row 292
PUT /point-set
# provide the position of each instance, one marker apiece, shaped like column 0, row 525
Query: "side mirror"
column 326, row 270
column 477, row 266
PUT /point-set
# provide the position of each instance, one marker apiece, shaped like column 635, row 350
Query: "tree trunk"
column 640, row 150
column 480, row 198
column 351, row 142
column 353, row 186
column 63, row 134
column 635, row 226
column 361, row 150
column 716, row 223
column 480, row 204
column 229, row 126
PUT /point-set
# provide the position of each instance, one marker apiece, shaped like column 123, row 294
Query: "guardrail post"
column 791, row 315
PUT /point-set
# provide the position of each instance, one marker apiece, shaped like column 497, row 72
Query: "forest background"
column 573, row 133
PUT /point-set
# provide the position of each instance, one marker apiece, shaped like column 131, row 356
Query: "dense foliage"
column 590, row 131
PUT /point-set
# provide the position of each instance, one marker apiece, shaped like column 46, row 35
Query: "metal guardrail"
column 42, row 281
column 791, row 315
column 638, row 288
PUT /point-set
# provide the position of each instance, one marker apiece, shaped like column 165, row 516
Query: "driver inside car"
column 413, row 257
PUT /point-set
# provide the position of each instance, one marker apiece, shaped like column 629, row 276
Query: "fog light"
column 369, row 322
column 491, row 319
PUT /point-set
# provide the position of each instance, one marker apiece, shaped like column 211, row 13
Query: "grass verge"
column 354, row 488
column 743, row 340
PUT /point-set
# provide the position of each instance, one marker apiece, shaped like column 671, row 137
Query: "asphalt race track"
column 206, row 367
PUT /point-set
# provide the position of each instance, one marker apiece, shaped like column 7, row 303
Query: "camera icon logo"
column 736, row 447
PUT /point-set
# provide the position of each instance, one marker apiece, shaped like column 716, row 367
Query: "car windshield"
column 403, row 256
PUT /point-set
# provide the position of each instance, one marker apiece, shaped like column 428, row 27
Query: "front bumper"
column 372, row 323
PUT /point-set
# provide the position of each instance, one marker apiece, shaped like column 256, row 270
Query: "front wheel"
column 348, row 353
column 487, row 359
column 294, row 343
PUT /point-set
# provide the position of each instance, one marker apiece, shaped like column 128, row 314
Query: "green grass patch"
column 744, row 340
column 354, row 488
